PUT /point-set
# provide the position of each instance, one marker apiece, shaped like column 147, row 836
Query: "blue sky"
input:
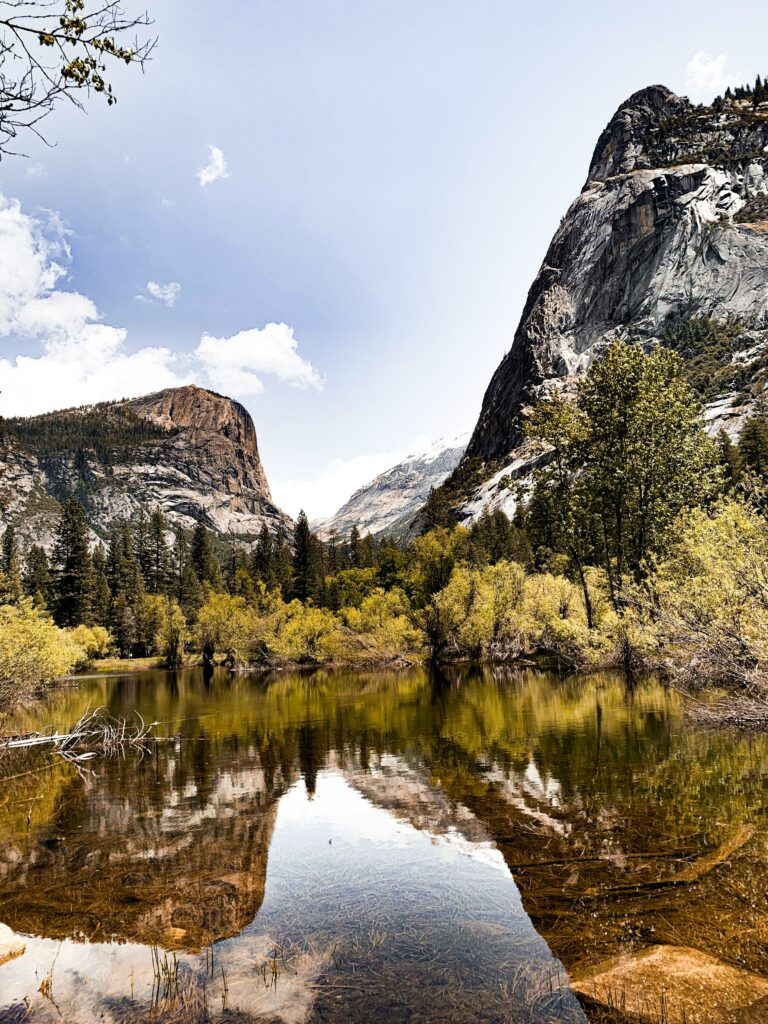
column 394, row 172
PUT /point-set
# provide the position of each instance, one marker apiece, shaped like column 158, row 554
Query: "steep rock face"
column 389, row 502
column 201, row 463
column 671, row 223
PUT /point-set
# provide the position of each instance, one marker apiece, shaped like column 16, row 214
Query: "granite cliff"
column 667, row 243
column 188, row 451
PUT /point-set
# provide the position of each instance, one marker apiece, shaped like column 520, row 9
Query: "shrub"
column 33, row 651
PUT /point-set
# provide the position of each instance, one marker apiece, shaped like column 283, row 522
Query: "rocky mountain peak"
column 623, row 143
column 667, row 241
column 197, row 409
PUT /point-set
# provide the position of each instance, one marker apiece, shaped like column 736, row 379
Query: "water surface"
column 368, row 847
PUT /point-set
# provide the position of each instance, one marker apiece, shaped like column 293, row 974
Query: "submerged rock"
column 11, row 945
column 675, row 984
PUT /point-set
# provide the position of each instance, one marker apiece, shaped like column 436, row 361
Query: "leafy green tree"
column 74, row 569
column 173, row 634
column 629, row 457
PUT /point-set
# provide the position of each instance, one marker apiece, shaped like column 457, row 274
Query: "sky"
column 331, row 210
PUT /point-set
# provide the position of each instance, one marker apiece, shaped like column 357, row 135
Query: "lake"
column 347, row 847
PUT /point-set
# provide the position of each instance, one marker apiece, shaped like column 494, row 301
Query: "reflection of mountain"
column 173, row 861
column 581, row 786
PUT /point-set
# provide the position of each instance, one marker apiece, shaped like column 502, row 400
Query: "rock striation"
column 390, row 501
column 187, row 451
column 671, row 226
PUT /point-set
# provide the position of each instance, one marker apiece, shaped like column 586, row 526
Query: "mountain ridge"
column 188, row 451
column 670, row 228
column 389, row 502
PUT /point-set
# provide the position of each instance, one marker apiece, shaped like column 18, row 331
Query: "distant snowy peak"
column 389, row 502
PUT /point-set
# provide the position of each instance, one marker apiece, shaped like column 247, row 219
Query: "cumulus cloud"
column 235, row 364
column 708, row 75
column 215, row 169
column 167, row 293
column 66, row 354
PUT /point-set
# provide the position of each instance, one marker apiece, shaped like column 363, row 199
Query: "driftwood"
column 96, row 732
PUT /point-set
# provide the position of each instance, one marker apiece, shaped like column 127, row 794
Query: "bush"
column 33, row 651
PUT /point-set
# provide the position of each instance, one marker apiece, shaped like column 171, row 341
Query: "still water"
column 369, row 847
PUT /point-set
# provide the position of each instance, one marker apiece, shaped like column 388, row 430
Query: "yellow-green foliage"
column 711, row 597
column 303, row 633
column 382, row 627
column 228, row 626
column 33, row 651
column 499, row 613
column 95, row 641
column 173, row 634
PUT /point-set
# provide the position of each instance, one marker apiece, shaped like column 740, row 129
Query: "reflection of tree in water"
column 579, row 774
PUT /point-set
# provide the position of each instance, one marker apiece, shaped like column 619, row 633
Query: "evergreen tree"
column 753, row 443
column 282, row 562
column 263, row 562
column 158, row 571
column 437, row 511
column 37, row 577
column 623, row 462
column 74, row 570
column 306, row 577
column 354, row 548
column 179, row 560
column 203, row 558
column 102, row 596
column 731, row 460
column 11, row 586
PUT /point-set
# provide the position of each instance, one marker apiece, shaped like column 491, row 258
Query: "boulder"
column 674, row 984
column 11, row 945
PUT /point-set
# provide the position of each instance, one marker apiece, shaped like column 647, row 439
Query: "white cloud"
column 708, row 75
column 215, row 169
column 326, row 491
column 72, row 358
column 234, row 365
column 167, row 293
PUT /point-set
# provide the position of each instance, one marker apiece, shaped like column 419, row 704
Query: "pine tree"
column 37, row 577
column 305, row 568
column 282, row 565
column 157, row 574
column 262, row 563
column 354, row 547
column 203, row 558
column 437, row 511
column 753, row 443
column 74, row 570
column 102, row 597
column 11, row 587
